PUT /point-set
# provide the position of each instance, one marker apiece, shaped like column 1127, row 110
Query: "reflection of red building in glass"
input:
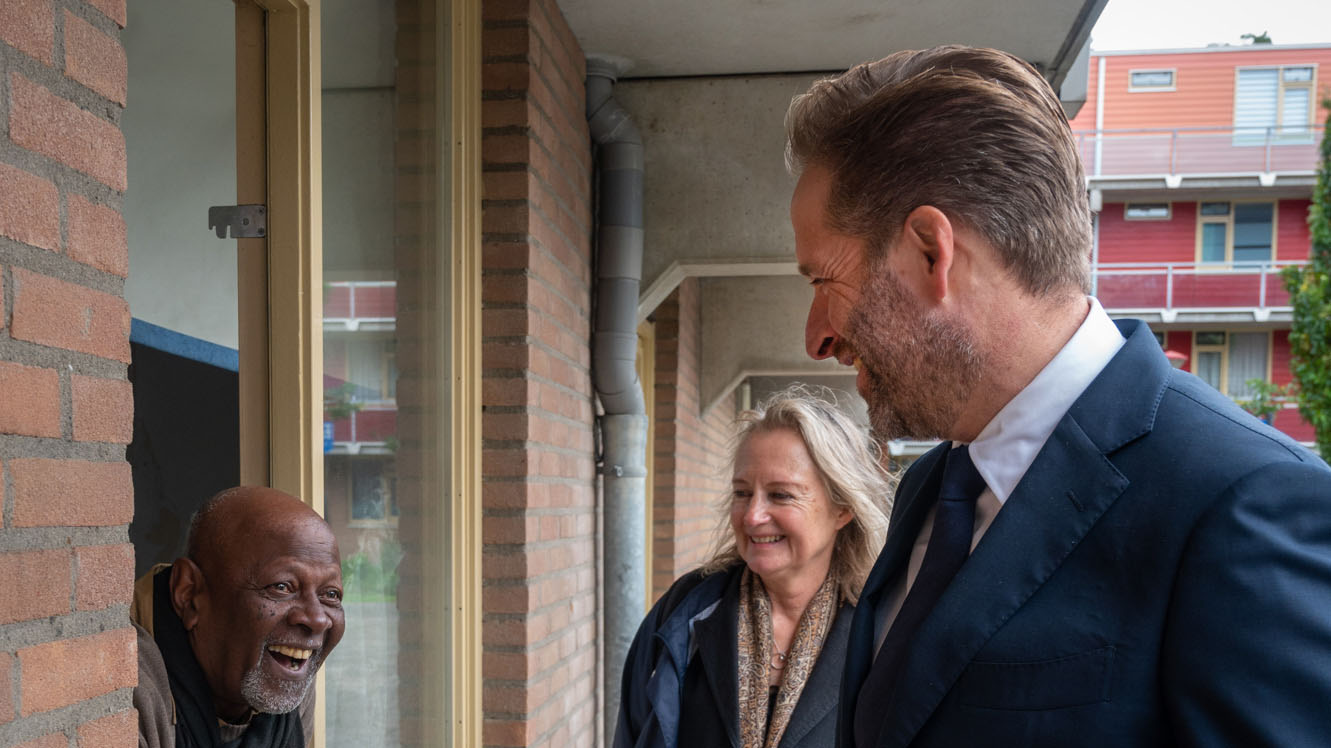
column 360, row 404
column 1201, row 165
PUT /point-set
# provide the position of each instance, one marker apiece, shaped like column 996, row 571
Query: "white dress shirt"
column 1009, row 443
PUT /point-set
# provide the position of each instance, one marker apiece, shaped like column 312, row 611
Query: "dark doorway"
column 185, row 448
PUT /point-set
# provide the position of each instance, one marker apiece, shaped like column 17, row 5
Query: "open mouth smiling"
column 291, row 659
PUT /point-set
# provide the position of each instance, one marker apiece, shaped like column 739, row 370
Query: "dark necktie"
column 949, row 545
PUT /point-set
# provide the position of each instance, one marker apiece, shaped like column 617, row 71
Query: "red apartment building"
column 1201, row 165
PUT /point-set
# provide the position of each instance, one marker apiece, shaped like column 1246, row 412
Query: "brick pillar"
column 540, row 651
column 691, row 448
column 66, row 410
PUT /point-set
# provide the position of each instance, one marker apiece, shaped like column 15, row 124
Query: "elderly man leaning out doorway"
column 232, row 634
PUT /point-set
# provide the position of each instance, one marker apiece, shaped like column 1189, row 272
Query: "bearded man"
column 1104, row 551
column 232, row 635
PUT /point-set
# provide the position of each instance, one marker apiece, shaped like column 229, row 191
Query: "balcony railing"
column 353, row 304
column 373, row 425
column 1174, row 286
column 1199, row 151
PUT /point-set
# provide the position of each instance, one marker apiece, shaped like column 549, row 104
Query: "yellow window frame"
column 1228, row 221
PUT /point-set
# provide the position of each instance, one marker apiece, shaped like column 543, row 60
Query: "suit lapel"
column 913, row 500
column 1067, row 489
column 820, row 695
column 1071, row 484
column 718, row 642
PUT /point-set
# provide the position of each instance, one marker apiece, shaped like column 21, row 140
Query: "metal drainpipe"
column 619, row 165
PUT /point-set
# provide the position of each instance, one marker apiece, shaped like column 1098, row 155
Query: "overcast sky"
column 1169, row 24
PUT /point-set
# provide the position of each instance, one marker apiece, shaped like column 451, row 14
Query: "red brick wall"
column 539, row 527
column 691, row 448
column 66, row 411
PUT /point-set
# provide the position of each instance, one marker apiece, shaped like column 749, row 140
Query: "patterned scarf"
column 756, row 654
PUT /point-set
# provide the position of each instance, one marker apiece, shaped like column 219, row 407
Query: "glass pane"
column 1255, row 105
column 180, row 140
column 1252, row 231
column 1215, row 209
column 1210, row 338
column 1147, row 211
column 1247, row 360
column 382, row 462
column 1152, row 78
column 1213, row 242
column 1295, row 110
column 1208, row 367
column 1298, row 75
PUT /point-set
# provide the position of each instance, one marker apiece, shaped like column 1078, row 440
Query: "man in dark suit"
column 1105, row 551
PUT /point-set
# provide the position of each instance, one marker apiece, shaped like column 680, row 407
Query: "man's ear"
column 187, row 586
column 927, row 233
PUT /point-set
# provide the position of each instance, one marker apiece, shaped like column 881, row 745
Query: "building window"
column 373, row 491
column 1147, row 211
column 1229, row 360
column 1274, row 105
column 363, row 365
column 1151, row 80
column 1235, row 233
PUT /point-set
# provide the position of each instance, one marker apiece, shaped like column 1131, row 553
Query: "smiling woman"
column 765, row 621
column 783, row 521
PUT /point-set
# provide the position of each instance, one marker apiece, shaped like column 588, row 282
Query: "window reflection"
column 381, row 299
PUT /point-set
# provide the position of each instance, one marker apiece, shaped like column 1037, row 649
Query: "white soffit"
column 664, row 38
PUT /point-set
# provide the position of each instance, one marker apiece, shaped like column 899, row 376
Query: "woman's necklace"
column 778, row 660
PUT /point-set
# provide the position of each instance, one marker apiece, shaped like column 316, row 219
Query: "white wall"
column 714, row 153
column 755, row 325
column 180, row 135
column 358, row 79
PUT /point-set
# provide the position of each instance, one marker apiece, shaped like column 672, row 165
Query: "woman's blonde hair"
column 849, row 464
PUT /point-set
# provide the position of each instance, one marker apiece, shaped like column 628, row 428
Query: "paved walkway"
column 362, row 680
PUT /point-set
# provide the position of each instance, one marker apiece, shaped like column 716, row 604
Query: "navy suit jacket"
column 1160, row 576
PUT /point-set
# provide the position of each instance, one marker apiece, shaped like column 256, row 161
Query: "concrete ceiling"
column 666, row 38
column 716, row 189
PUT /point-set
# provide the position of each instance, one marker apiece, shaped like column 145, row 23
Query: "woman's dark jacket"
column 683, row 661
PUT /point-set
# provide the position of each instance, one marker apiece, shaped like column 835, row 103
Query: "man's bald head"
column 234, row 514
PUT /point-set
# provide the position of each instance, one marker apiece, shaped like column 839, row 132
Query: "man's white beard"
column 268, row 695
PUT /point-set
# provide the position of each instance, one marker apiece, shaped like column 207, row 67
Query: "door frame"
column 279, row 163
column 281, row 274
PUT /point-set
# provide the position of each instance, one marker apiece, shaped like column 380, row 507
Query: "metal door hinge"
column 245, row 221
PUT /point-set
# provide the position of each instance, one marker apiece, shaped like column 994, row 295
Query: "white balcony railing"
column 1169, row 287
column 1199, row 151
